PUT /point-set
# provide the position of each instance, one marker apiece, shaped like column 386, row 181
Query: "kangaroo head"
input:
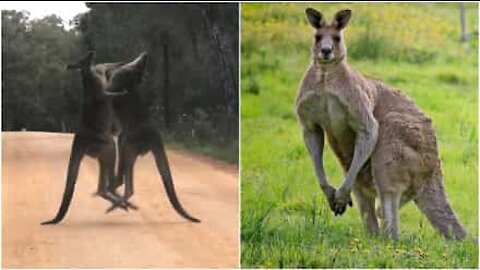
column 328, row 43
column 129, row 75
column 93, row 77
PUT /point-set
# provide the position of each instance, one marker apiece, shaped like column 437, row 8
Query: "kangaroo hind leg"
column 366, row 206
column 118, row 179
column 390, row 208
column 391, row 180
column 125, row 174
column 390, row 187
column 106, row 160
column 403, row 200
column 127, row 162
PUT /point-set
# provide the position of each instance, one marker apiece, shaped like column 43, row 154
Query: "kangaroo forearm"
column 364, row 146
column 315, row 143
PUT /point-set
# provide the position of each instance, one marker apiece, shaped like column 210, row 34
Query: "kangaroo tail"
column 73, row 166
column 433, row 202
column 164, row 169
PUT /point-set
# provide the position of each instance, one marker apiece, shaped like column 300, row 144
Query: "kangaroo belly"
column 344, row 147
column 326, row 111
column 141, row 138
column 334, row 121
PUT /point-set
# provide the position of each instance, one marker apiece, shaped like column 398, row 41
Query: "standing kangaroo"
column 94, row 136
column 385, row 144
column 139, row 135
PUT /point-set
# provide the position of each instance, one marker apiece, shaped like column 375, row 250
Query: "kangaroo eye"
column 318, row 38
column 336, row 38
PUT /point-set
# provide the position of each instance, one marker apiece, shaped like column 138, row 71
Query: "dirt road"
column 33, row 179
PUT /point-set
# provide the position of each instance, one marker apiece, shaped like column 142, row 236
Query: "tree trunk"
column 226, row 78
column 463, row 27
column 166, row 83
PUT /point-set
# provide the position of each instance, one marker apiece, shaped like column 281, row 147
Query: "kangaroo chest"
column 326, row 110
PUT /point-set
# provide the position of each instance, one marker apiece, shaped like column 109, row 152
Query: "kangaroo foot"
column 131, row 205
column 124, row 205
column 115, row 200
column 115, row 206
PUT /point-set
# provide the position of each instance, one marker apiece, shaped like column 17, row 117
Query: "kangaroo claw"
column 115, row 206
column 125, row 205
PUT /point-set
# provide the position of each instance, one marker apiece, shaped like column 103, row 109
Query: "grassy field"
column 285, row 219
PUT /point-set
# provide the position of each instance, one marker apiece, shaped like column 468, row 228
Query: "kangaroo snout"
column 326, row 52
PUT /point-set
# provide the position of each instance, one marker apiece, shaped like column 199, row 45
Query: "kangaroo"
column 139, row 135
column 384, row 143
column 94, row 136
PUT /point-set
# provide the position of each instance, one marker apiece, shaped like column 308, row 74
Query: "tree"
column 193, row 61
column 34, row 81
column 191, row 86
column 463, row 26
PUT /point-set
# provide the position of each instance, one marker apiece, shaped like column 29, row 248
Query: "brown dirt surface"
column 34, row 168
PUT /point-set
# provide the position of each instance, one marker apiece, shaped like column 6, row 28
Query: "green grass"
column 227, row 152
column 285, row 218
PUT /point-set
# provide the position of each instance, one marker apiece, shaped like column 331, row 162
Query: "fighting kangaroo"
column 94, row 136
column 385, row 144
column 139, row 135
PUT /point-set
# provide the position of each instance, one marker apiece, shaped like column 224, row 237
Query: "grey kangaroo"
column 139, row 135
column 385, row 144
column 94, row 136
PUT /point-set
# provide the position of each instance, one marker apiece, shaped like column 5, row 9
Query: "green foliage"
column 414, row 33
column 35, row 84
column 285, row 218
column 191, row 88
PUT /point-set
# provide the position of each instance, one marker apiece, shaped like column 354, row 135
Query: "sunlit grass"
column 286, row 221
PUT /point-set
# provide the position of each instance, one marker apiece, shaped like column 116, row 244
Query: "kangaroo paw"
column 342, row 200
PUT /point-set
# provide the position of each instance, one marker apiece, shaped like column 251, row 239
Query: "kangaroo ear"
column 315, row 18
column 141, row 61
column 137, row 63
column 342, row 18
